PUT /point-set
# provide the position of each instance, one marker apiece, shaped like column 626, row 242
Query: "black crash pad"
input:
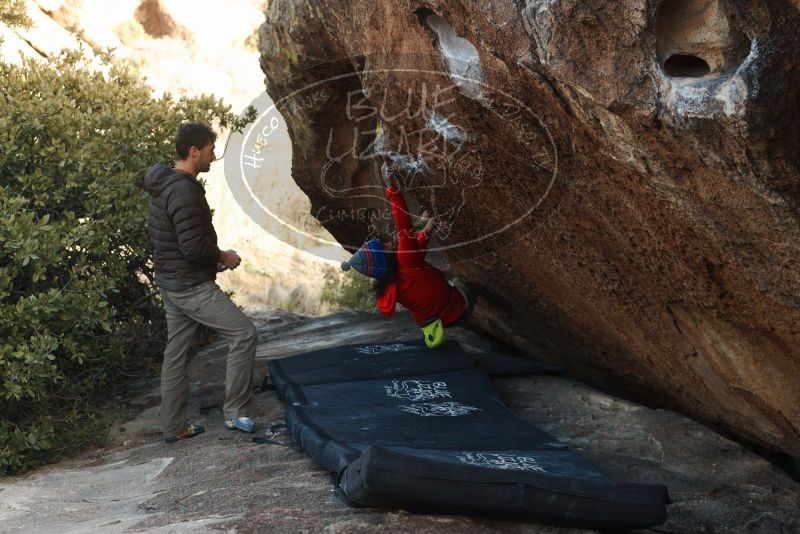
column 403, row 426
column 407, row 358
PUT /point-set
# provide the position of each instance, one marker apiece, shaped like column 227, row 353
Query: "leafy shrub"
column 14, row 13
column 77, row 311
column 349, row 290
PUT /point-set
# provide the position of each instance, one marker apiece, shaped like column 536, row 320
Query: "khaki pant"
column 205, row 304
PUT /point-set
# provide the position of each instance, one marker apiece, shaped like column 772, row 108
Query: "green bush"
column 349, row 291
column 78, row 317
column 14, row 13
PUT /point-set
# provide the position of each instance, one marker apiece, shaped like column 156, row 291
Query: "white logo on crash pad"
column 417, row 390
column 502, row 461
column 439, row 409
column 380, row 349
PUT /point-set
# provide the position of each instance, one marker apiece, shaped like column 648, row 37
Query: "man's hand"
column 388, row 176
column 229, row 259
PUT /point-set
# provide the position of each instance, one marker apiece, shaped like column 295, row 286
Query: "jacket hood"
column 159, row 177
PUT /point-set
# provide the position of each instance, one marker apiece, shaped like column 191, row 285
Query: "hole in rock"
column 695, row 38
column 685, row 66
column 422, row 13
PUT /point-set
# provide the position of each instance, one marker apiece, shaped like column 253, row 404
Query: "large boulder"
column 620, row 177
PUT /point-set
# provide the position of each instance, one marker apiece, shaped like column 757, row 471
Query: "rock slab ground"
column 222, row 481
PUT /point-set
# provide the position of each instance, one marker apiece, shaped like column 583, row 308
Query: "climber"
column 402, row 275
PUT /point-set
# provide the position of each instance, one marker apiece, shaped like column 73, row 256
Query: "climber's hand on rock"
column 430, row 222
column 221, row 267
column 388, row 176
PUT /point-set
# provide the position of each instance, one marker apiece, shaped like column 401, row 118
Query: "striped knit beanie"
column 370, row 260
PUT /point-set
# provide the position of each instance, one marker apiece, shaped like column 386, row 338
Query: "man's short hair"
column 191, row 134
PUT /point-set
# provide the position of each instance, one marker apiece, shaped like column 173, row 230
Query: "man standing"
column 186, row 262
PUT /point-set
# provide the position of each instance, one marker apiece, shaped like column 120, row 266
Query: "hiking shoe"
column 245, row 424
column 190, row 432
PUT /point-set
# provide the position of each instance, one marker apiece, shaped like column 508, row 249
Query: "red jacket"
column 419, row 287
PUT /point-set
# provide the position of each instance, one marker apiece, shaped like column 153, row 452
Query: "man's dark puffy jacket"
column 184, row 241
